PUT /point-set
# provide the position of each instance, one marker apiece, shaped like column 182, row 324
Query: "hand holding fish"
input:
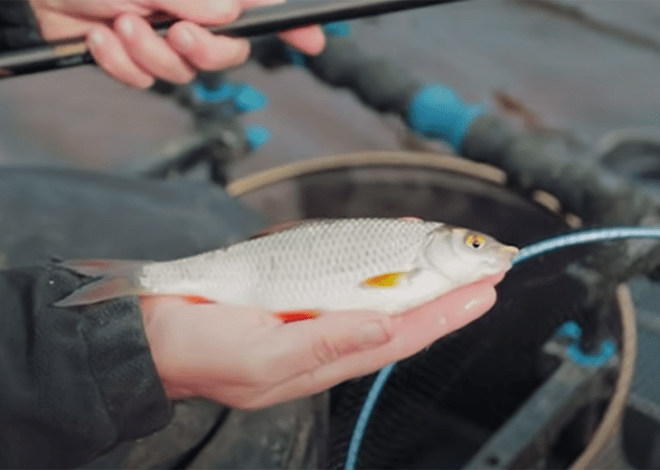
column 246, row 358
column 124, row 44
column 223, row 324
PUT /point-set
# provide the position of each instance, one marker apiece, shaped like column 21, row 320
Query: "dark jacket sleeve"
column 74, row 382
column 18, row 27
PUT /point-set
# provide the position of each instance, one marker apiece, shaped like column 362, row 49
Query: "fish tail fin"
column 118, row 279
column 103, row 267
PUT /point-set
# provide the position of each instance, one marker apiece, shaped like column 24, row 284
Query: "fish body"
column 387, row 265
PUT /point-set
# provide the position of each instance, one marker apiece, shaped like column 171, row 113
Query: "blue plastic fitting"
column 569, row 329
column 248, row 99
column 575, row 354
column 337, row 28
column 256, row 136
column 572, row 330
column 437, row 112
column 223, row 93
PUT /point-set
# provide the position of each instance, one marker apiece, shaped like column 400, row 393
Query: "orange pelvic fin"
column 197, row 299
column 296, row 315
column 385, row 280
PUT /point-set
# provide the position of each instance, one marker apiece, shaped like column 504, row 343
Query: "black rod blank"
column 257, row 21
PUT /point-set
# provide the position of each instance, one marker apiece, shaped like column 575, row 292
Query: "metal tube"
column 258, row 21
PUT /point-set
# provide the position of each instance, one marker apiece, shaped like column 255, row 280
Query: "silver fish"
column 387, row 265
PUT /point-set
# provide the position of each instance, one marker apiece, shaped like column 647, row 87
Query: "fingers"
column 408, row 334
column 207, row 12
column 204, row 50
column 150, row 52
column 308, row 40
column 305, row 346
column 109, row 53
column 136, row 55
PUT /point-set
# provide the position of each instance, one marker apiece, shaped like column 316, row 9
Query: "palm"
column 245, row 357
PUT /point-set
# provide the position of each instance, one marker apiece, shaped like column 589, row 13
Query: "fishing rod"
column 253, row 22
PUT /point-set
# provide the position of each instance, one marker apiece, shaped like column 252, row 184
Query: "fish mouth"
column 509, row 250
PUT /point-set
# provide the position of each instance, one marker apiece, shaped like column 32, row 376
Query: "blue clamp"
column 573, row 331
column 247, row 99
column 337, row 28
column 224, row 92
column 256, row 136
column 244, row 97
column 437, row 112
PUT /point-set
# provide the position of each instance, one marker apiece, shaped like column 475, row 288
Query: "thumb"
column 200, row 11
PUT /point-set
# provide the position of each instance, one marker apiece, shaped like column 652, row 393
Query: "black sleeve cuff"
column 76, row 381
column 18, row 26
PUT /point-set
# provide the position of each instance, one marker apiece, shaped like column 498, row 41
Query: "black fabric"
column 75, row 382
column 18, row 27
column 62, row 213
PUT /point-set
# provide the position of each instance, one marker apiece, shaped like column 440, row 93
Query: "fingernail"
column 125, row 27
column 96, row 38
column 472, row 304
column 373, row 333
column 442, row 321
column 184, row 39
column 241, row 49
column 219, row 7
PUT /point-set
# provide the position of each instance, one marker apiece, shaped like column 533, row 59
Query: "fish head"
column 465, row 255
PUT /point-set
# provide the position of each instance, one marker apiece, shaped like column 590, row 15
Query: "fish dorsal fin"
column 386, row 280
column 281, row 227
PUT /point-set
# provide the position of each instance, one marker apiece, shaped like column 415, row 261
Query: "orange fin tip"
column 385, row 280
column 296, row 315
column 197, row 299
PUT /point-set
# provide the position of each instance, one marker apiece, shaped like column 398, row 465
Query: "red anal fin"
column 296, row 315
column 197, row 299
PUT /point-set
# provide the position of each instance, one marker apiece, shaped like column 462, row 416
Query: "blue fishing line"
column 535, row 249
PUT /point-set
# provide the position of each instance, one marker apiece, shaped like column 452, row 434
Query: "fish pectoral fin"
column 296, row 315
column 386, row 280
column 197, row 299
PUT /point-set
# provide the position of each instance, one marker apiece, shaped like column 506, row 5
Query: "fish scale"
column 319, row 258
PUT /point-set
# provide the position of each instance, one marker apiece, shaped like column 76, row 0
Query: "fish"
column 299, row 269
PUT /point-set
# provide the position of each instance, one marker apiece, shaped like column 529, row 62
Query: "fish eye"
column 475, row 241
